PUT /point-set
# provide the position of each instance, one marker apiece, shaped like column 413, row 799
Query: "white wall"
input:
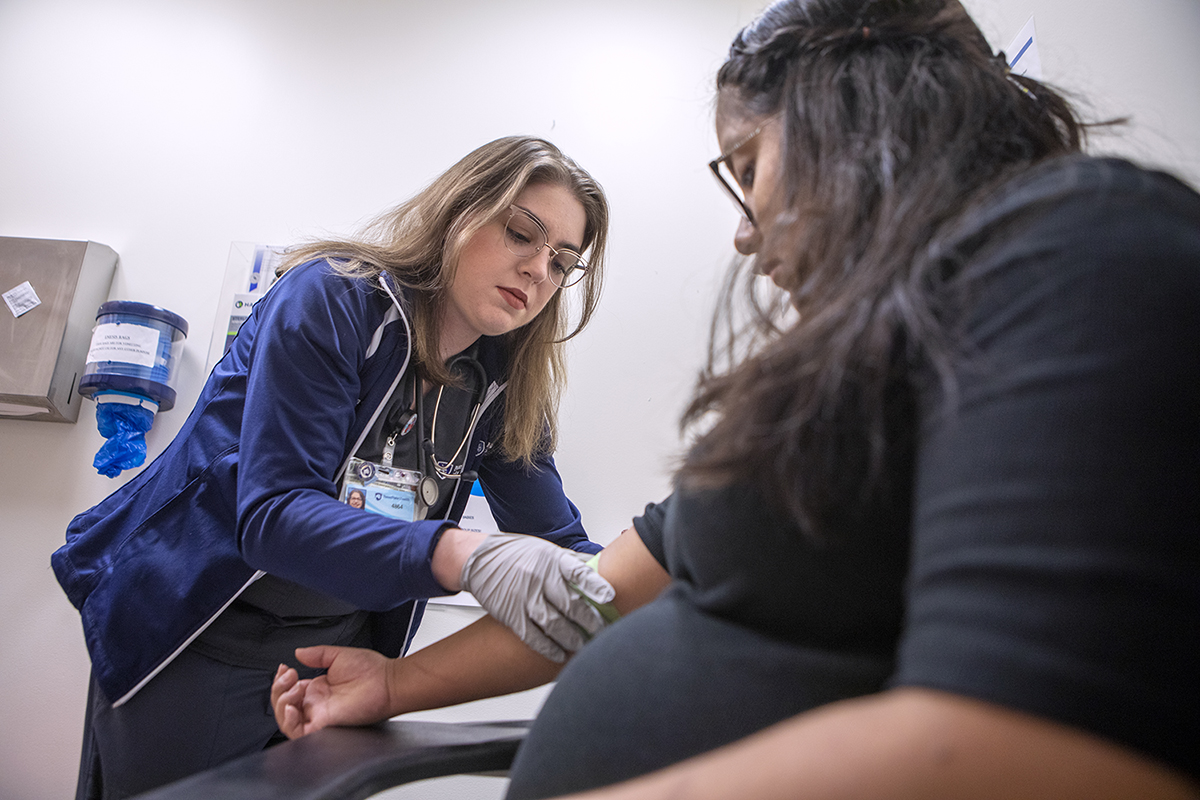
column 169, row 130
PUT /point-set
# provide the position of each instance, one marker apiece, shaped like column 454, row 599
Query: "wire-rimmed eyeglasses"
column 525, row 236
column 723, row 170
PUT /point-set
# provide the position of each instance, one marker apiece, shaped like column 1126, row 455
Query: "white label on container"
column 125, row 342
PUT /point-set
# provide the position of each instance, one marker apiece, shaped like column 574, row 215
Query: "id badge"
column 389, row 491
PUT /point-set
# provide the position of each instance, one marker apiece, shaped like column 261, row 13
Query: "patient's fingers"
column 291, row 721
column 291, row 713
column 285, row 679
column 287, row 702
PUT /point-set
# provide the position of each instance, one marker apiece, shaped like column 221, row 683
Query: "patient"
column 941, row 535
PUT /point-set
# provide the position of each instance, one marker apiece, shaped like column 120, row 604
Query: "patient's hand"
column 353, row 691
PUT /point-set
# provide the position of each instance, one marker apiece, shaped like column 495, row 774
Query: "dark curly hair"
column 897, row 119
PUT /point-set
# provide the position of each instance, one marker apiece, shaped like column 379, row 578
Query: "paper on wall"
column 1022, row 54
column 22, row 298
column 249, row 272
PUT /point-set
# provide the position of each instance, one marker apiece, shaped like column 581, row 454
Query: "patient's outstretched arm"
column 485, row 659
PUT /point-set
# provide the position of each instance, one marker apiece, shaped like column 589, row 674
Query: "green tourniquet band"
column 607, row 610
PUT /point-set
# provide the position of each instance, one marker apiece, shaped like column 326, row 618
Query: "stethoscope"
column 427, row 488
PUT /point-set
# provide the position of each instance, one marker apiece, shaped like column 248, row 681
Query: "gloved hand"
column 526, row 583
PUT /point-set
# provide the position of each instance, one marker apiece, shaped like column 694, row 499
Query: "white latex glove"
column 526, row 582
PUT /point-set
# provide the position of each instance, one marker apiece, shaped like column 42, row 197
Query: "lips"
column 776, row 272
column 514, row 297
column 768, row 268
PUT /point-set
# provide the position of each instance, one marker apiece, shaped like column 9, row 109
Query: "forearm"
column 484, row 659
column 366, row 559
column 912, row 745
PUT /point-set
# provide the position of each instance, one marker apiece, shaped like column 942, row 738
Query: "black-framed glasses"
column 525, row 236
column 723, row 170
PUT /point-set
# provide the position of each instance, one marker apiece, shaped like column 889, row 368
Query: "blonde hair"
column 419, row 242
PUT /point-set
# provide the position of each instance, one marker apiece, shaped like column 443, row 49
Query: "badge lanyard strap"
column 406, row 423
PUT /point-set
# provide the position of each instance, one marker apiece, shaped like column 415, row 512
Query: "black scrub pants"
column 195, row 714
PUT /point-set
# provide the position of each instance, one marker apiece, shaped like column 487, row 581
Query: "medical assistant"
column 249, row 486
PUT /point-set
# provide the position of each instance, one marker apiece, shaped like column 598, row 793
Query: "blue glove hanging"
column 130, row 374
column 124, row 426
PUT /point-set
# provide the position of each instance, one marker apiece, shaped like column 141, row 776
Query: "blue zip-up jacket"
column 249, row 486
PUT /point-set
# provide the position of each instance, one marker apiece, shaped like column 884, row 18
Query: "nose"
column 746, row 239
column 537, row 266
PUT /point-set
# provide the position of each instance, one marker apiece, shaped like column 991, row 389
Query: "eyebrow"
column 562, row 245
column 738, row 145
column 742, row 142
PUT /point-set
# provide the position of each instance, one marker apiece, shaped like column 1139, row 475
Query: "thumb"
column 589, row 582
column 319, row 656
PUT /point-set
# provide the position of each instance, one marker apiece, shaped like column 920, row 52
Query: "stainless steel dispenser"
column 43, row 349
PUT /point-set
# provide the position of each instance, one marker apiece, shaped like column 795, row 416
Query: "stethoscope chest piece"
column 428, row 487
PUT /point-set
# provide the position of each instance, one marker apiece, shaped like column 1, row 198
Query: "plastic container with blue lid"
column 134, row 350
column 130, row 373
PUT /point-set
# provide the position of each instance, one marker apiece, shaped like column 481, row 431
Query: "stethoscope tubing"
column 428, row 489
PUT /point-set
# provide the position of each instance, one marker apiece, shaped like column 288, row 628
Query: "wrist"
column 398, row 701
column 449, row 554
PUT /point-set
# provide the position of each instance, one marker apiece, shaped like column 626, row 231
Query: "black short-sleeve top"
column 1049, row 559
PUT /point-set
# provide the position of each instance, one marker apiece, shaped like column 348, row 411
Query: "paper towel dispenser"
column 51, row 290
